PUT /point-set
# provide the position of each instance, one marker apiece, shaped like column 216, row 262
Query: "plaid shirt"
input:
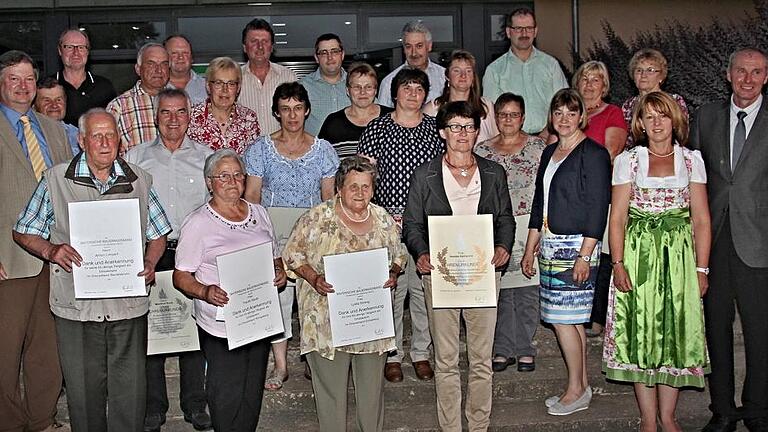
column 325, row 97
column 135, row 114
column 38, row 217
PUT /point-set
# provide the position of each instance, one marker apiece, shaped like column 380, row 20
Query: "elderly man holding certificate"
column 102, row 341
column 456, row 186
column 345, row 224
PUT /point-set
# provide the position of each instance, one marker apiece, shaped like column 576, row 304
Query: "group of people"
column 621, row 208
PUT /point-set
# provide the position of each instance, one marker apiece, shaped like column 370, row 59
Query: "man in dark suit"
column 29, row 144
column 733, row 139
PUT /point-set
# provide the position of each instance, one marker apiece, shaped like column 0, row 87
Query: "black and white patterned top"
column 398, row 151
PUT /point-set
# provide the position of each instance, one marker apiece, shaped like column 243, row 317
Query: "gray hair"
column 213, row 160
column 75, row 30
column 168, row 93
column 754, row 50
column 354, row 163
column 145, row 47
column 417, row 26
column 13, row 57
column 81, row 122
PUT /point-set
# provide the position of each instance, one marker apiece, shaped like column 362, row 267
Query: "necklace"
column 244, row 224
column 463, row 171
column 661, row 156
column 349, row 216
column 594, row 107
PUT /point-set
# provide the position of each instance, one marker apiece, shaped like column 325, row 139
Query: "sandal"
column 275, row 381
column 501, row 365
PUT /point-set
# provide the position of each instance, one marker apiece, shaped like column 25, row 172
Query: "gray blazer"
column 17, row 183
column 743, row 192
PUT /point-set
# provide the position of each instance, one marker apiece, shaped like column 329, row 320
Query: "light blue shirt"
column 536, row 80
column 72, row 133
column 14, row 118
column 435, row 73
column 325, row 98
column 195, row 88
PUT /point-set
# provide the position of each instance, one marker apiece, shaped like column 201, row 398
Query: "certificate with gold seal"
column 461, row 249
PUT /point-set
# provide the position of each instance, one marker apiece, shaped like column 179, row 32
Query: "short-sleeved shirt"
column 398, row 151
column 291, row 182
column 243, row 128
column 324, row 97
column 629, row 105
column 95, row 91
column 258, row 96
column 205, row 235
column 610, row 116
column 344, row 135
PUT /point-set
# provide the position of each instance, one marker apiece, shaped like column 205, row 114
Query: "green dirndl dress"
column 655, row 332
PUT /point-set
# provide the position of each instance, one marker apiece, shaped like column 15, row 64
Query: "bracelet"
column 704, row 270
column 614, row 263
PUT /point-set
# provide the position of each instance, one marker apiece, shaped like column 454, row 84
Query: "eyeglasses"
column 456, row 128
column 69, row 47
column 361, row 89
column 523, row 29
column 648, row 71
column 330, row 52
column 219, row 84
column 509, row 115
column 227, row 177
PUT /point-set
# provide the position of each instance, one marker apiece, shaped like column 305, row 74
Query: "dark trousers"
column 104, row 365
column 234, row 382
column 191, row 369
column 732, row 281
column 600, row 300
column 28, row 338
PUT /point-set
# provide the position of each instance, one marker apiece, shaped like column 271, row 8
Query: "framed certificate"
column 360, row 309
column 461, row 249
column 253, row 312
column 170, row 325
column 107, row 234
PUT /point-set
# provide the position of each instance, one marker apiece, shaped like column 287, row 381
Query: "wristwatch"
column 704, row 270
column 586, row 258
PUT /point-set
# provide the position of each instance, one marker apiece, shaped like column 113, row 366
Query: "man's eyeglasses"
column 70, row 48
column 330, row 52
column 521, row 29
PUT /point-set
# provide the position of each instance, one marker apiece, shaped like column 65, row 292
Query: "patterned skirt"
column 562, row 301
column 654, row 334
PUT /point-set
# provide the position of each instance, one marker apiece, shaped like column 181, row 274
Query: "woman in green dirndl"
column 660, row 240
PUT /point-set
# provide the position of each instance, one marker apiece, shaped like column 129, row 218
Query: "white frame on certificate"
column 171, row 326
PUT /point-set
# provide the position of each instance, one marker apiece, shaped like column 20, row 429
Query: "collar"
column 754, row 106
column 185, row 143
column 318, row 76
column 60, row 76
column 534, row 53
column 120, row 179
column 13, row 116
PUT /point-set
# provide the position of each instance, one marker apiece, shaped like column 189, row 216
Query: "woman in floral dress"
column 655, row 328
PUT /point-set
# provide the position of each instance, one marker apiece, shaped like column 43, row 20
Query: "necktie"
column 33, row 148
column 739, row 137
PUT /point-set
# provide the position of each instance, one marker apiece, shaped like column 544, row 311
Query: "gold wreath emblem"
column 475, row 270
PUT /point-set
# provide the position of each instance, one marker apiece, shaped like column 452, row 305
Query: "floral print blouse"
column 521, row 170
column 320, row 232
column 243, row 128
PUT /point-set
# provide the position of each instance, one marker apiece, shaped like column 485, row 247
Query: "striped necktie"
column 33, row 148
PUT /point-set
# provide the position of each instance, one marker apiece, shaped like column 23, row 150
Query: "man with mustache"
column 417, row 44
column 261, row 76
column 525, row 71
column 134, row 110
column 51, row 100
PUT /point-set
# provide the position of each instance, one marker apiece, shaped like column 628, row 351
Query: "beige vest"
column 64, row 189
column 17, row 183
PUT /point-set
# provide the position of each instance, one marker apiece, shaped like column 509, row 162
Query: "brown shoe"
column 393, row 372
column 423, row 370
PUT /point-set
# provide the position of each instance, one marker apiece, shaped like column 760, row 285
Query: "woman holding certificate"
column 459, row 183
column 346, row 223
column 568, row 218
column 655, row 329
column 227, row 223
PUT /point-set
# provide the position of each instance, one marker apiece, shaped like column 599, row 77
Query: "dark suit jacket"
column 742, row 193
column 426, row 197
column 17, row 183
column 579, row 194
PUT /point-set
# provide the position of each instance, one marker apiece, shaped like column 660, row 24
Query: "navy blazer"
column 579, row 194
column 426, row 197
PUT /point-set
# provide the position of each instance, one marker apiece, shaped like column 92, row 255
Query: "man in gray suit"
column 733, row 139
column 29, row 144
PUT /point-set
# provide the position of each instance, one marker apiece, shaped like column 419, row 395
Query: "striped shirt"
column 38, row 216
column 258, row 96
column 135, row 114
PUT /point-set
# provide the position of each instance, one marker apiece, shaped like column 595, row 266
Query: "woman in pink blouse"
column 220, row 122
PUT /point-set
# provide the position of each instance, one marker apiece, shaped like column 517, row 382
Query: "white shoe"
column 551, row 401
column 580, row 404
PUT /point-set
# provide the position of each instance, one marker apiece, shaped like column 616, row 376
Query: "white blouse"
column 623, row 172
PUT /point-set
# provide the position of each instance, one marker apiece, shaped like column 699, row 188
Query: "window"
column 388, row 30
column 23, row 35
column 123, row 35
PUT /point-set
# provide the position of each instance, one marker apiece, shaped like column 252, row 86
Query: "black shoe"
column 152, row 422
column 757, row 424
column 721, row 423
column 526, row 366
column 200, row 420
column 501, row 366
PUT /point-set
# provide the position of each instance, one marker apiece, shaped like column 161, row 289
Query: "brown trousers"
column 28, row 344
